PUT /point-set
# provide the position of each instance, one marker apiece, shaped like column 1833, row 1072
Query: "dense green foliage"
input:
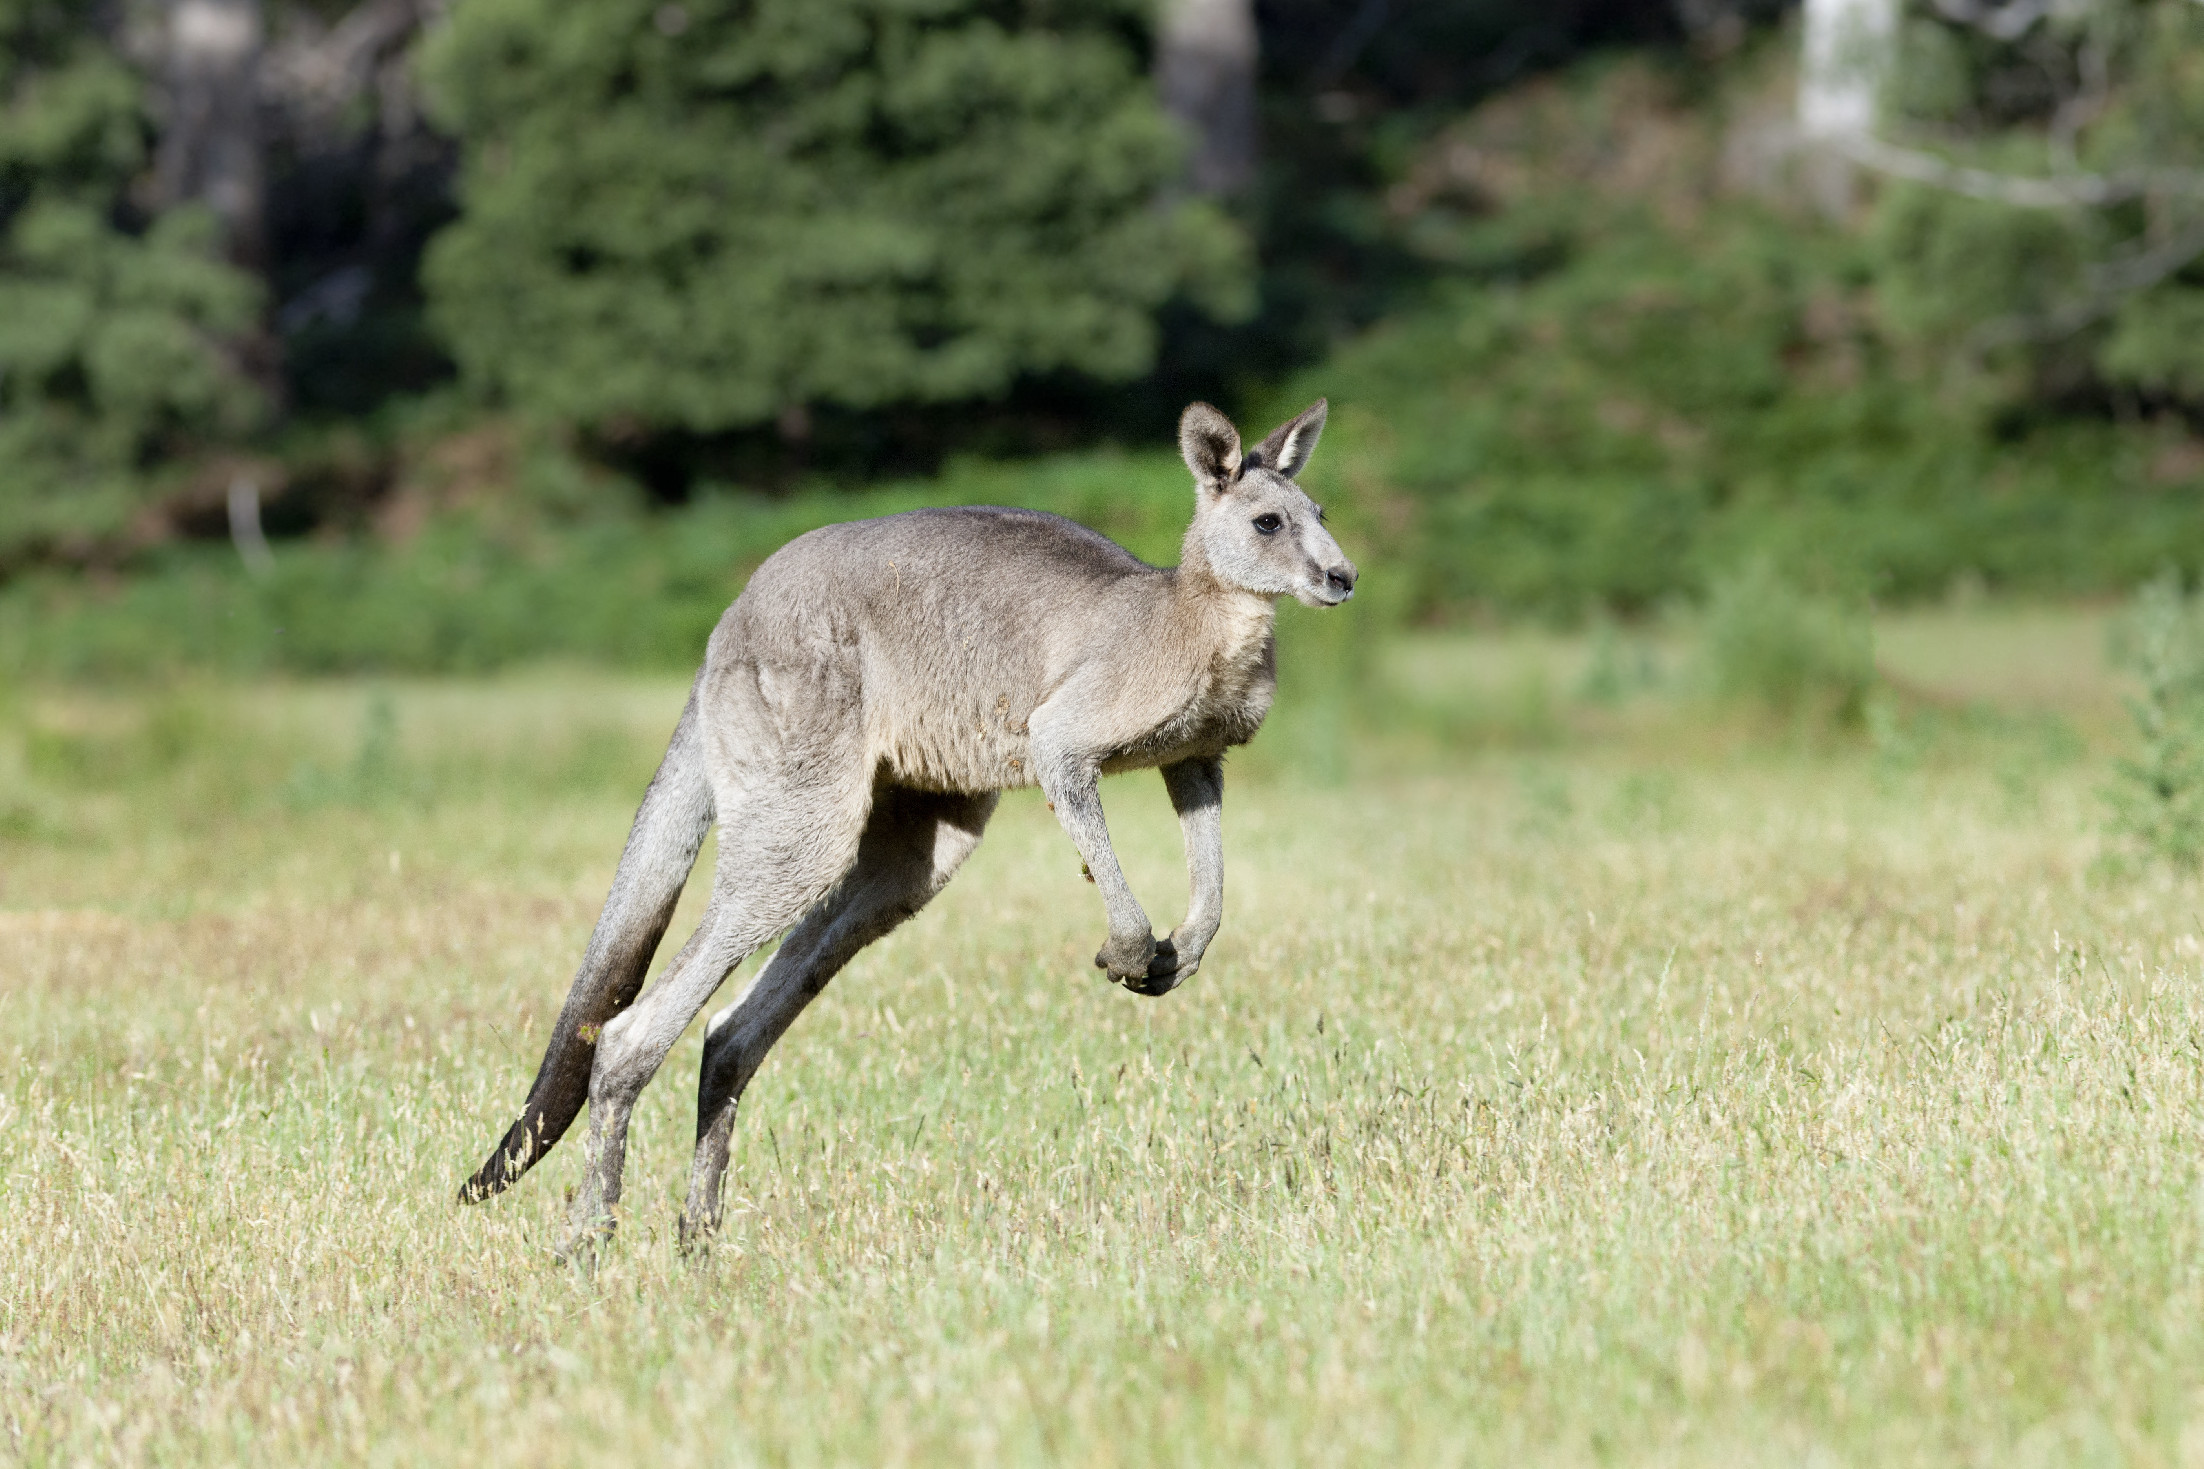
column 1809, row 658
column 1611, row 409
column 1634, row 415
column 705, row 213
column 1624, row 381
column 2157, row 802
column 111, row 326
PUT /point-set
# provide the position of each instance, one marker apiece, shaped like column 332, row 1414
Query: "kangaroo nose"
column 1342, row 578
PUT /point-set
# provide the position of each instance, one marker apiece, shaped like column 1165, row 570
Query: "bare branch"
column 2147, row 267
column 245, row 529
column 324, row 69
column 210, row 145
column 2008, row 22
column 2109, row 284
column 2058, row 191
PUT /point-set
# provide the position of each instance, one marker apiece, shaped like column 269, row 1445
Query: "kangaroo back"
column 661, row 849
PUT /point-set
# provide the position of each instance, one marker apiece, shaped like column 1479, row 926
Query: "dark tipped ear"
column 1290, row 444
column 1210, row 445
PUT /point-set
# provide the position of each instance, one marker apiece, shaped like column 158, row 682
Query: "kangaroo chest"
column 1218, row 700
column 1235, row 691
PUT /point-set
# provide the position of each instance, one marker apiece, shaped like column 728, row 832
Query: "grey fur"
column 861, row 704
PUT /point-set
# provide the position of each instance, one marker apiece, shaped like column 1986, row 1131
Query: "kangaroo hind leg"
column 669, row 829
column 779, row 854
column 913, row 844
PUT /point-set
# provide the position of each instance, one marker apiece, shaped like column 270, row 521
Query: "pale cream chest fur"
column 1224, row 689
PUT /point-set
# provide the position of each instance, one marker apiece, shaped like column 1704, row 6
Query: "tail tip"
column 507, row 1162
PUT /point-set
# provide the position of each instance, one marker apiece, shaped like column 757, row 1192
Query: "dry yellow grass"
column 1657, row 1095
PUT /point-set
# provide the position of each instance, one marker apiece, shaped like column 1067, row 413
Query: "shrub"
column 1793, row 654
column 2157, row 798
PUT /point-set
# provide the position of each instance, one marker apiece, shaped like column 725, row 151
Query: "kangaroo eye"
column 1268, row 524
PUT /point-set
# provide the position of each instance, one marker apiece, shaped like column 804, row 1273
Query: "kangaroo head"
column 1252, row 524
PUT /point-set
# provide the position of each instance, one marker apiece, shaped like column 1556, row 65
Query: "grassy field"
column 1584, row 1075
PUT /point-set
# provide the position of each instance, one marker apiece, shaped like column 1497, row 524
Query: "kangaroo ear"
column 1210, row 445
column 1290, row 444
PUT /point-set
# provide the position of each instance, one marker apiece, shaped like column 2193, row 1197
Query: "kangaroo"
column 860, row 708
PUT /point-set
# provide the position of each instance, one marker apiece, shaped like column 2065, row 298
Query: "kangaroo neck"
column 1232, row 616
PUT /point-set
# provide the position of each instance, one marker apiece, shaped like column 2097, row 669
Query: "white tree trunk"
column 1847, row 53
column 210, row 140
column 1205, row 76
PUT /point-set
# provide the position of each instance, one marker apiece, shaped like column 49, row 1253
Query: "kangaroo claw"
column 1163, row 974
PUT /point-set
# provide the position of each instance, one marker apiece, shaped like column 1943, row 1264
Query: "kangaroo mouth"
column 1331, row 585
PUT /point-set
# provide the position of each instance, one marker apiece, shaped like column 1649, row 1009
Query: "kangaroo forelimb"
column 1130, row 954
column 1197, row 794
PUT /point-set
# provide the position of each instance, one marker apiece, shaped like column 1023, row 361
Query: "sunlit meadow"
column 1584, row 1074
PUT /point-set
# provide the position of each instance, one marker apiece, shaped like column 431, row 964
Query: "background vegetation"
column 538, row 354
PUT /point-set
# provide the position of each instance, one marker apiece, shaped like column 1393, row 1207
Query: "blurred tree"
column 706, row 214
column 1348, row 88
column 357, row 182
column 1205, row 73
column 113, row 318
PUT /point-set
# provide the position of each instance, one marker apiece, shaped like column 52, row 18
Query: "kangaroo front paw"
column 1166, row 971
column 1127, row 960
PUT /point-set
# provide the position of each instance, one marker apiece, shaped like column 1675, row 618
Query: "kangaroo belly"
column 953, row 721
column 967, row 750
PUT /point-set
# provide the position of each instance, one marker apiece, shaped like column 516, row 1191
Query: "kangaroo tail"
column 662, row 847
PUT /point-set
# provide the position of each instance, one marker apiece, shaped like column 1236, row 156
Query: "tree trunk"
column 210, row 143
column 1205, row 75
column 1846, row 55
